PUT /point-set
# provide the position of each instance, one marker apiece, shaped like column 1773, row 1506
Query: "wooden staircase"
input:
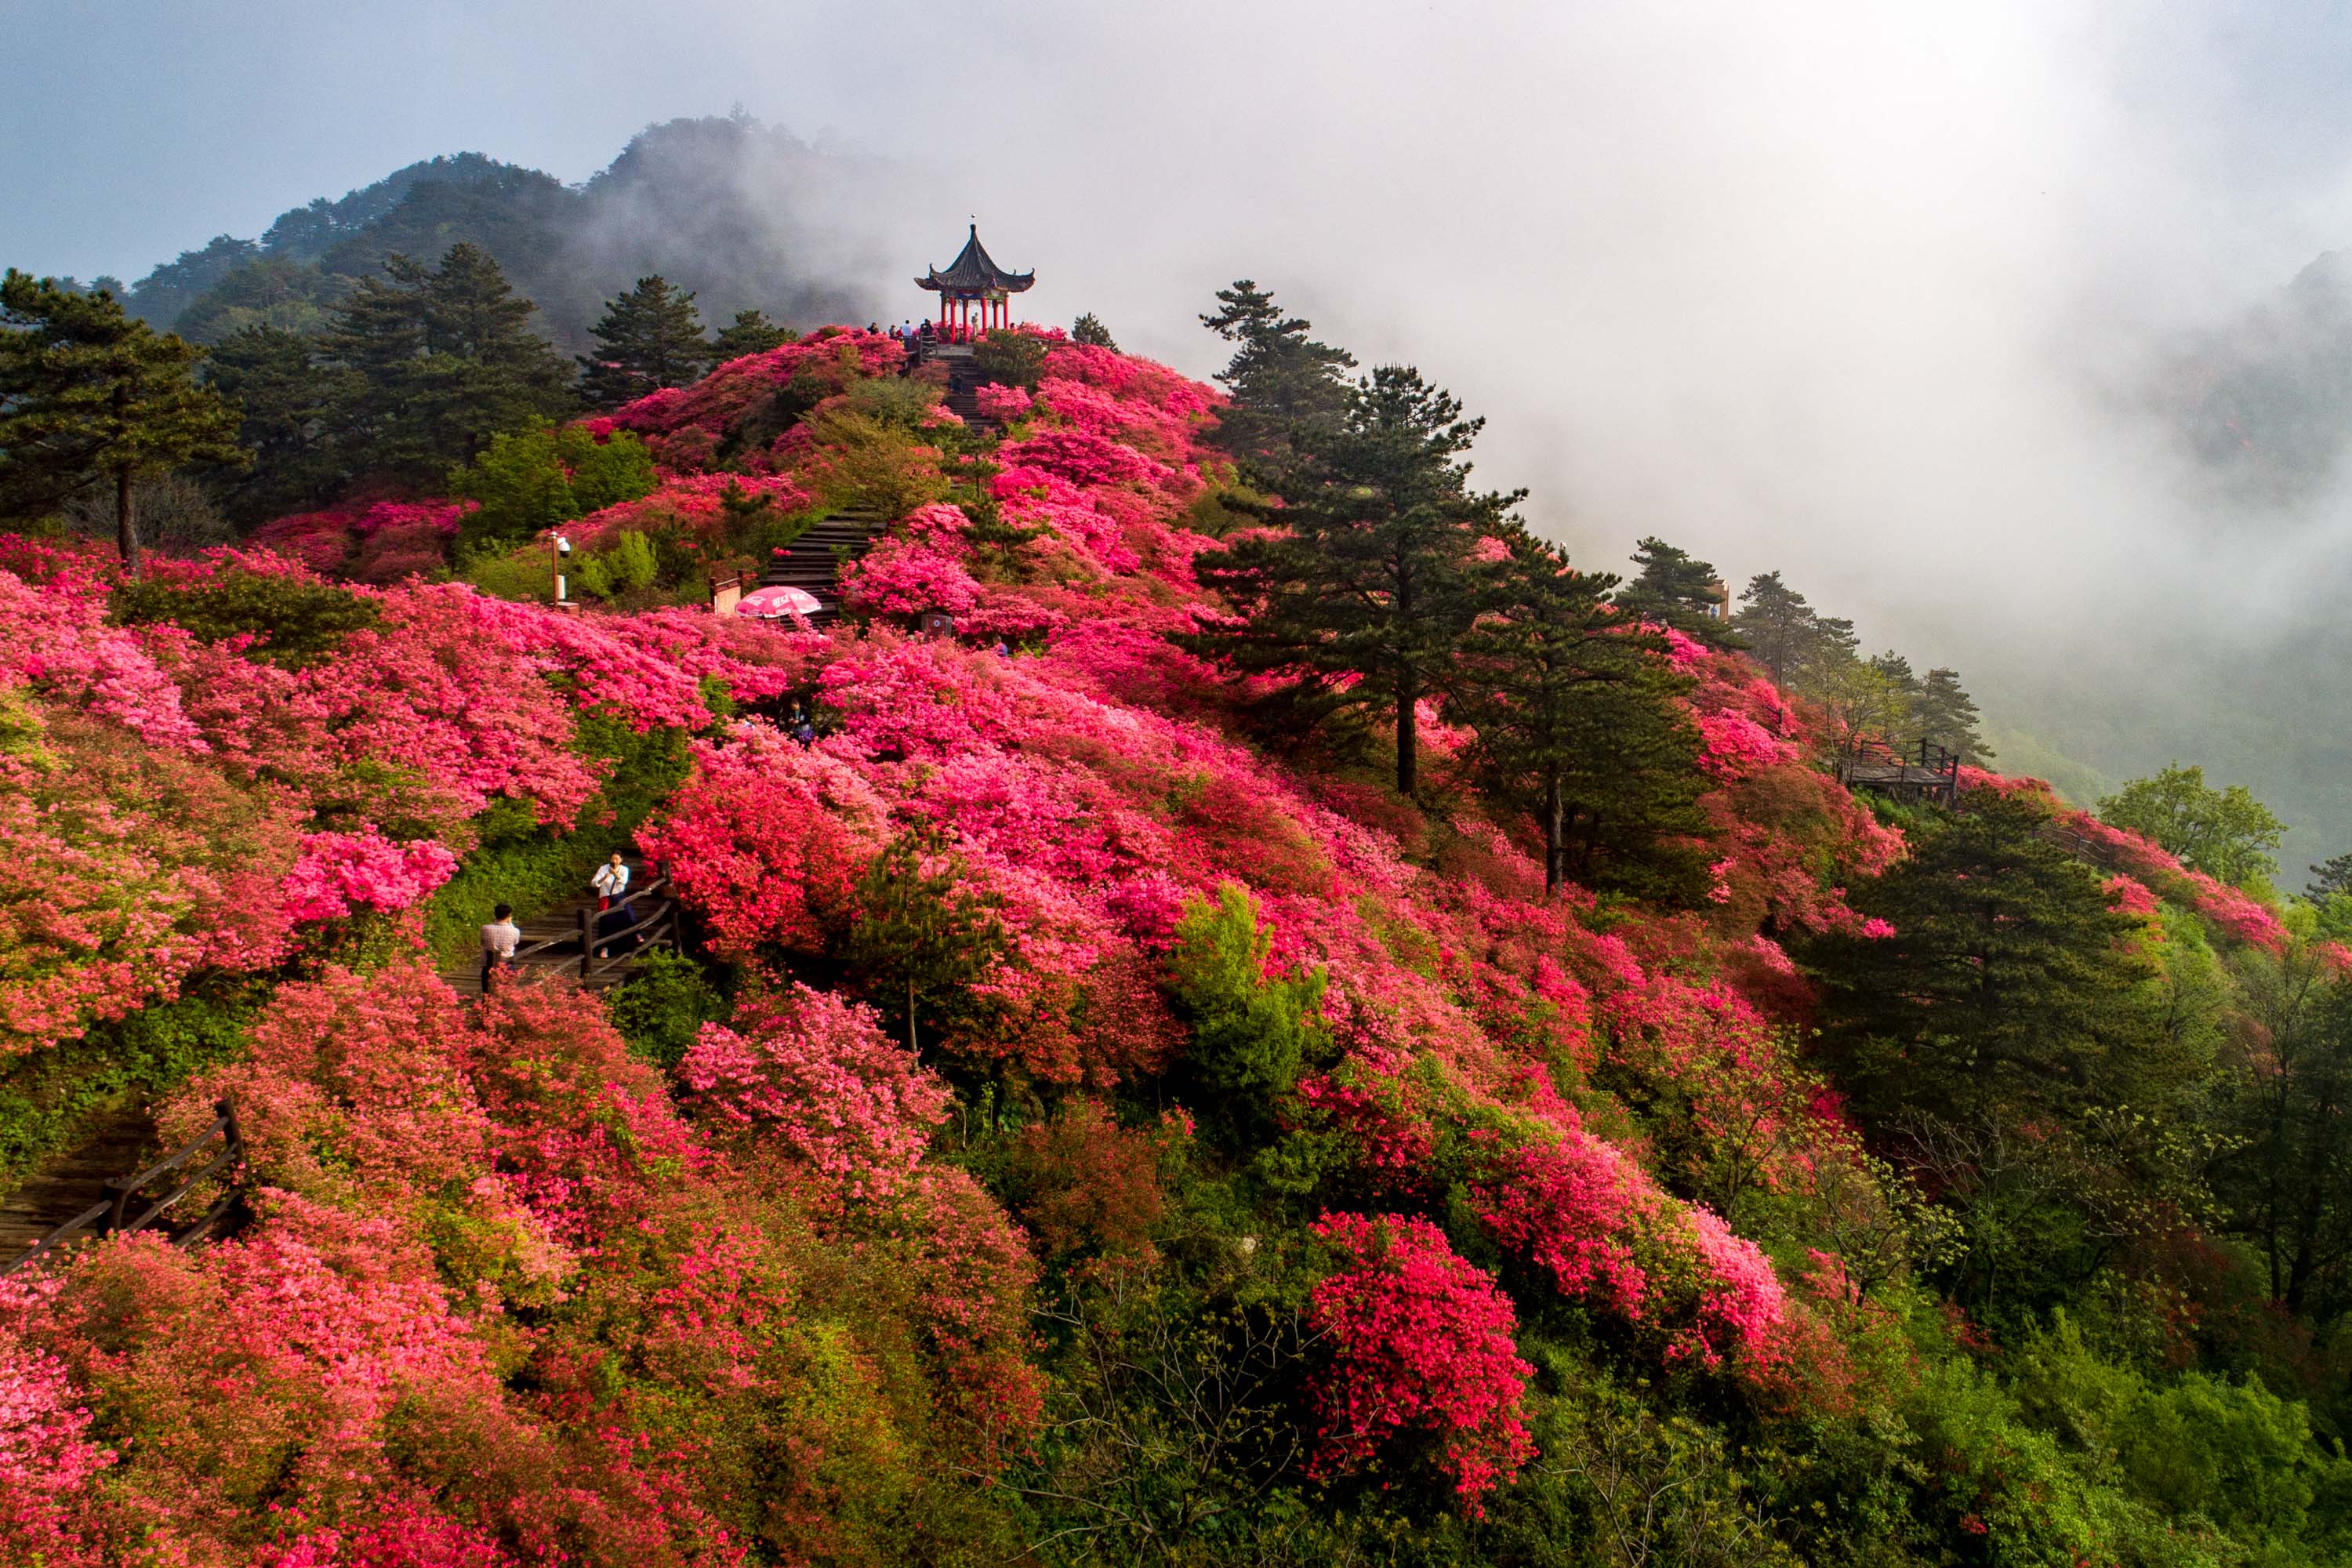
column 812, row 562
column 72, row 1180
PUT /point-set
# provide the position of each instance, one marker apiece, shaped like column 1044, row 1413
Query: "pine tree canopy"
column 1089, row 331
column 1947, row 717
column 440, row 360
column 284, row 399
column 1283, row 381
column 1676, row 589
column 651, row 337
column 90, row 394
column 1367, row 577
column 751, row 332
column 1575, row 715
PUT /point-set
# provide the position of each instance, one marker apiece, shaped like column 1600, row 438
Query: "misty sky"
column 1859, row 290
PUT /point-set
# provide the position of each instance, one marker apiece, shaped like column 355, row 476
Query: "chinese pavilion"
column 974, row 292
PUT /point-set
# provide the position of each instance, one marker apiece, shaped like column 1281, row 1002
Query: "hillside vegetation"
column 1308, row 1030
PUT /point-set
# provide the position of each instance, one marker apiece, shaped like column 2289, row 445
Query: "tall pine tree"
column 1577, row 717
column 1947, row 717
column 439, row 360
column 284, row 399
column 651, row 337
column 90, row 394
column 1674, row 588
column 1367, row 576
column 1283, row 381
column 1775, row 623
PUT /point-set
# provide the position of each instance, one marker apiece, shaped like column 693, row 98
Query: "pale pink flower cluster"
column 339, row 872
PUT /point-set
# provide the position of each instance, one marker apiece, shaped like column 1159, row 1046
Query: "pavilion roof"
column 971, row 272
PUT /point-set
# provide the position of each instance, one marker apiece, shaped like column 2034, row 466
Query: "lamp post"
column 562, row 558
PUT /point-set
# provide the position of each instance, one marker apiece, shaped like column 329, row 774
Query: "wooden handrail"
column 665, row 915
column 113, row 1214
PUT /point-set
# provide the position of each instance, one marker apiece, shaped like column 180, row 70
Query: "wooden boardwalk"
column 589, row 947
column 189, row 1195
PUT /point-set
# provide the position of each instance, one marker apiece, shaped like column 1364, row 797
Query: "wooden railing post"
column 231, row 1134
column 118, row 1189
column 587, row 939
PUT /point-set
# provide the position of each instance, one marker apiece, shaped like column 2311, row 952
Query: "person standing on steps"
column 611, row 883
column 611, row 880
column 499, row 940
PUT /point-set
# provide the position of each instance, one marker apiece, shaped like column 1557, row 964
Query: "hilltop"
column 1098, row 1116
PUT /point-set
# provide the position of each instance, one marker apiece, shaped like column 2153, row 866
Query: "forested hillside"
column 743, row 215
column 1305, row 1027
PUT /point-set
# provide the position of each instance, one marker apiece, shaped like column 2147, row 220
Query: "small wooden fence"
column 124, row 1208
column 605, row 953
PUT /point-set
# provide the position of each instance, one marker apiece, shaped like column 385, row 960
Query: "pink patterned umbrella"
column 774, row 603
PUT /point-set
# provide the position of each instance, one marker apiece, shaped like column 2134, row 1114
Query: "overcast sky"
column 1856, row 290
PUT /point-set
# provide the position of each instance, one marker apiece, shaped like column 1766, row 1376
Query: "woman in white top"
column 611, row 880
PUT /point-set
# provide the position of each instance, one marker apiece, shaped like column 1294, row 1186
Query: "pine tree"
column 1676, row 589
column 651, row 337
column 1367, row 577
column 283, row 399
column 2001, row 1031
column 1577, row 717
column 438, row 361
column 923, row 937
column 2330, row 879
column 1897, row 721
column 89, row 395
column 750, row 333
column 1775, row 623
column 2003, row 985
column 1283, row 381
column 1088, row 330
column 1947, row 718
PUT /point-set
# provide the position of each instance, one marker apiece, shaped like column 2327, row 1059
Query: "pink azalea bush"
column 1421, row 1342
column 817, row 1081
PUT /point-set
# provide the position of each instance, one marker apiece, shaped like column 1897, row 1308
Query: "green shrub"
column 297, row 623
column 625, row 566
column 525, row 575
column 1252, row 1034
column 47, row 1098
column 529, row 480
column 1011, row 359
column 662, row 1005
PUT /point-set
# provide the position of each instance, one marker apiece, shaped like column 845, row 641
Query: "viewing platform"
column 1930, row 773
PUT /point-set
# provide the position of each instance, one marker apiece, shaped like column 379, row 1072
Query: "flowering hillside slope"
column 1084, row 1129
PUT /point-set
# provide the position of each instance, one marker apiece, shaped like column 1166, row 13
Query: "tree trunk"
column 1555, row 829
column 126, row 523
column 1408, row 698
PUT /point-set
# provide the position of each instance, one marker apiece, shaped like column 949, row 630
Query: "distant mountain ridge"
column 744, row 214
column 2267, row 402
